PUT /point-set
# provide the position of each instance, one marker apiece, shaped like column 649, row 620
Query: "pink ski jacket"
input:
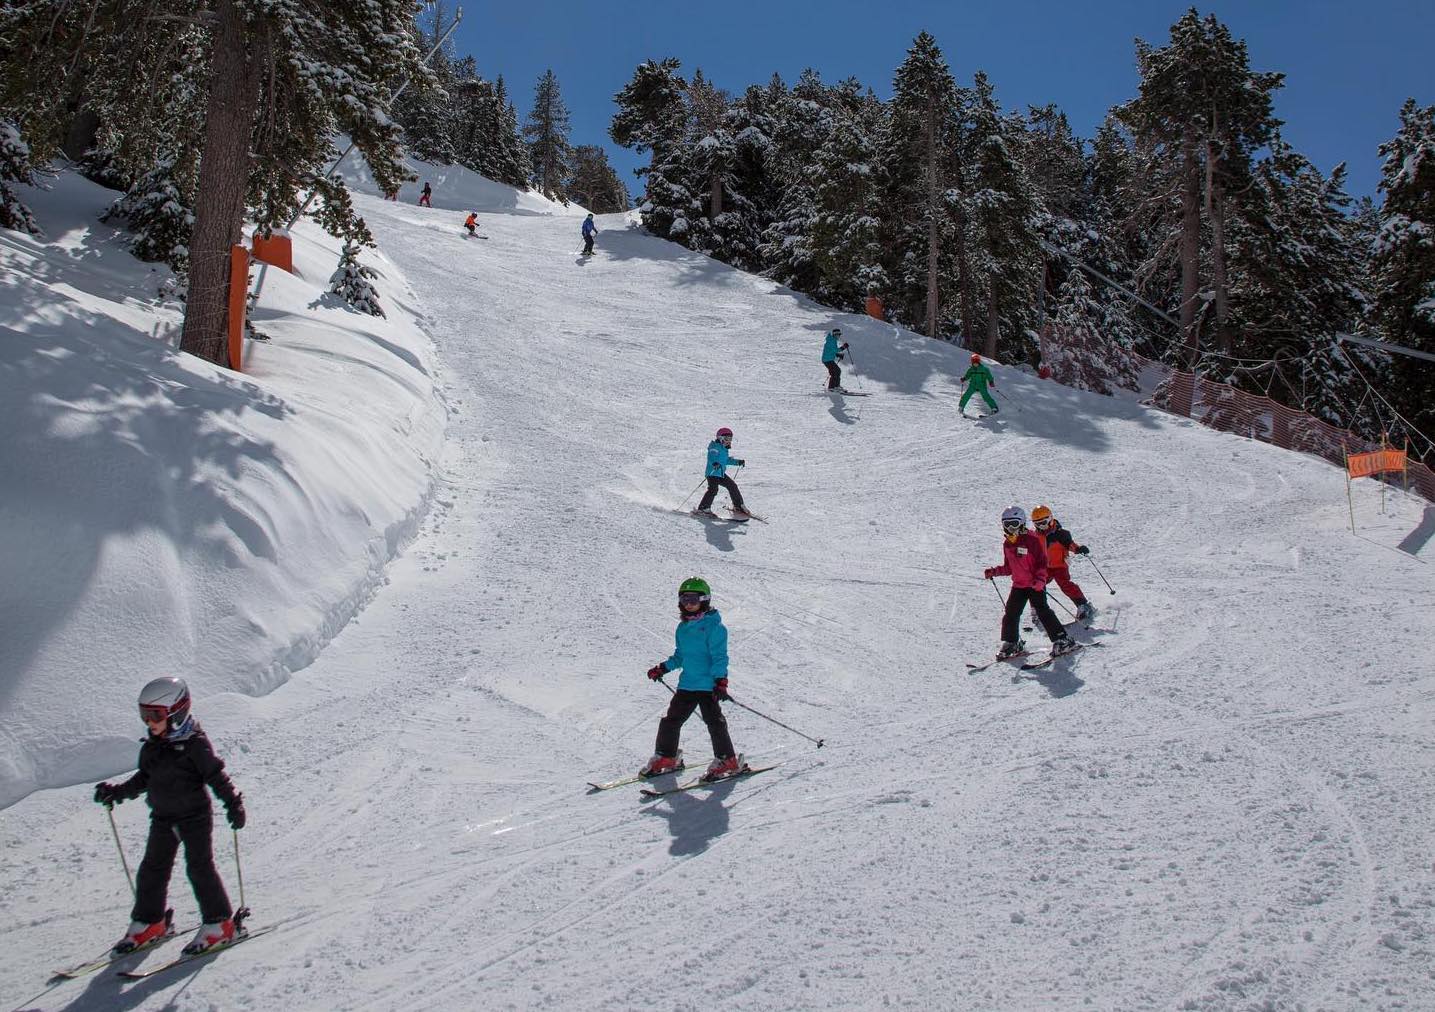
column 1024, row 561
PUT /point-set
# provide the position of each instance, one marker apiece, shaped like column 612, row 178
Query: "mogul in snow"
column 977, row 378
column 589, row 231
column 1059, row 544
column 718, row 462
column 176, row 764
column 700, row 651
column 1024, row 560
column 833, row 351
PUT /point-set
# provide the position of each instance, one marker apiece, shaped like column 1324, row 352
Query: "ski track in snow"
column 1229, row 807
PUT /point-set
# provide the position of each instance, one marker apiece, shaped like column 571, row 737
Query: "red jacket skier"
column 1059, row 543
column 1024, row 560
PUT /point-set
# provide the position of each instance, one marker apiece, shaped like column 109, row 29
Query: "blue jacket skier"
column 700, row 651
column 716, row 473
column 589, row 231
column 833, row 350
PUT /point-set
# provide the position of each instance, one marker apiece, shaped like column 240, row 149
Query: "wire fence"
column 1224, row 407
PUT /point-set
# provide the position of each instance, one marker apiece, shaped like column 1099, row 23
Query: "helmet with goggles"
column 694, row 591
column 1042, row 518
column 167, row 699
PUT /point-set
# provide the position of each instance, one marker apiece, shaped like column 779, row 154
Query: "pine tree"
column 594, row 184
column 846, row 184
column 511, row 163
column 1404, row 266
column 353, row 282
column 158, row 212
column 547, row 133
column 652, row 115
column 15, row 168
column 1076, row 351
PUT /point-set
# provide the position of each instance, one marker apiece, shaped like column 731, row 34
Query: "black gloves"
column 234, row 809
column 1082, row 550
column 107, row 795
column 740, row 462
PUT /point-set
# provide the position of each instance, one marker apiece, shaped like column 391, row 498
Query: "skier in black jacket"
column 176, row 763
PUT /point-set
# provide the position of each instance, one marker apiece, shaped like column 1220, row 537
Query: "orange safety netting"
column 1223, row 407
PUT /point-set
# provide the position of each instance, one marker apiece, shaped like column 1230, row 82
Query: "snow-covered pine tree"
column 352, row 282
column 1076, row 350
column 547, row 134
column 1403, row 292
column 846, row 183
column 511, row 163
column 15, row 168
column 157, row 211
column 426, row 109
column 799, row 126
column 652, row 114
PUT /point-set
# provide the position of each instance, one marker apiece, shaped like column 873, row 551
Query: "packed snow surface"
column 1227, row 806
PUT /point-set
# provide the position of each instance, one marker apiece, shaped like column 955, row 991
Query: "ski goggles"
column 692, row 597
column 1012, row 526
column 1045, row 522
column 153, row 713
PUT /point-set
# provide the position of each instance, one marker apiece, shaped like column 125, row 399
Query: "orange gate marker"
column 238, row 296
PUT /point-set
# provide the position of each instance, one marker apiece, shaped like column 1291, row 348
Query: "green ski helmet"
column 694, row 589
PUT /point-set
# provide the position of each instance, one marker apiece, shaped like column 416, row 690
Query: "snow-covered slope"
column 456, row 188
column 158, row 515
column 1228, row 806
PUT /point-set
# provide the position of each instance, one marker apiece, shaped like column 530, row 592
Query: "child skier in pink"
column 1024, row 560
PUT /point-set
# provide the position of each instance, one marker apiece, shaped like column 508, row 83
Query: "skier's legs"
column 706, row 502
column 1011, row 618
column 834, row 375
column 1061, row 576
column 732, row 491
column 152, row 881
column 1046, row 616
column 198, row 836
column 588, row 244
column 670, row 728
column 988, row 398
column 717, row 725
column 966, row 396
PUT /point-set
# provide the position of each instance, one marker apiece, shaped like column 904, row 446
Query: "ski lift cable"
column 1381, row 397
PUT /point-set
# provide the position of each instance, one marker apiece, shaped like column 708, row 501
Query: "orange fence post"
column 277, row 250
column 238, row 296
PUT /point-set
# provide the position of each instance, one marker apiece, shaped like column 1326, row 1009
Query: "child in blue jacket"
column 718, row 461
column 701, row 653
column 833, row 349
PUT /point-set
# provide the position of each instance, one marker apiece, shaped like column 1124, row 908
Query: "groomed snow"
column 162, row 516
column 1228, row 806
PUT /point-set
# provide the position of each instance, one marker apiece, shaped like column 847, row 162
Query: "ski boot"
column 721, row 769
column 1063, row 645
column 660, row 764
column 1012, row 648
column 1085, row 611
column 739, row 511
column 141, row 934
column 211, row 935
column 709, row 514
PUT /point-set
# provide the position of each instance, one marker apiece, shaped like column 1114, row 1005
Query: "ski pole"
column 667, row 686
column 777, row 722
column 690, row 494
column 239, row 869
column 997, row 591
column 1053, row 597
column 1099, row 573
column 1008, row 400
column 110, row 811
column 854, row 366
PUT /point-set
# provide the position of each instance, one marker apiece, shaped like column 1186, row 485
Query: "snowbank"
column 456, row 188
column 159, row 515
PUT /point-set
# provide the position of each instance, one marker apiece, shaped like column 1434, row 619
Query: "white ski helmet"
column 1014, row 515
column 166, row 697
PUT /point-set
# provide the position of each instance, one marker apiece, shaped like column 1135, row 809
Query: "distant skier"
column 424, row 197
column 833, row 351
column 471, row 223
column 589, row 231
column 718, row 463
column 700, row 650
column 1059, row 544
column 1024, row 560
column 978, row 378
column 176, row 763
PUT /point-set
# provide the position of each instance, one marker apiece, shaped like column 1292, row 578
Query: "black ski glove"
column 740, row 463
column 107, row 795
column 235, row 811
column 1082, row 550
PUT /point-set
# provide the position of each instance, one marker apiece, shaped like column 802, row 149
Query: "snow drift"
column 159, row 515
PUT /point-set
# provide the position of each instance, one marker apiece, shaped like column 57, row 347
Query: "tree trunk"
column 932, row 230
column 1216, row 211
column 715, row 203
column 223, row 177
column 993, row 322
column 1190, row 247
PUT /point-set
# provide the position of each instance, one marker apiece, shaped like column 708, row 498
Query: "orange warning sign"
column 1361, row 465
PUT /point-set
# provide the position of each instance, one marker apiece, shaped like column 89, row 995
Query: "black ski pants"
column 834, row 375
column 711, row 493
column 1016, row 603
column 685, row 701
column 152, row 884
column 588, row 244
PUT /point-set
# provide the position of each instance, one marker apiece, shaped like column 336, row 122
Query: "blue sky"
column 1348, row 66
